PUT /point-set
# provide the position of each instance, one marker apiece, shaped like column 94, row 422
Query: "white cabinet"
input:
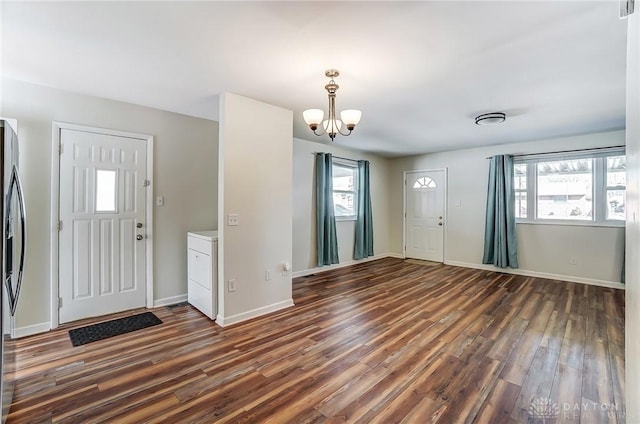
column 202, row 271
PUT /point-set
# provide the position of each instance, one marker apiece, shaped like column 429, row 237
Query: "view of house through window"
column 616, row 184
column 565, row 189
column 520, row 182
column 585, row 188
column 345, row 190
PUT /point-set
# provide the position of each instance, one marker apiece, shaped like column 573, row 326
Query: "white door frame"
column 55, row 209
column 404, row 210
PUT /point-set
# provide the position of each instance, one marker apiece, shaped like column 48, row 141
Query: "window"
column 424, row 182
column 586, row 188
column 615, row 187
column 345, row 191
column 565, row 189
column 105, row 190
column 520, row 182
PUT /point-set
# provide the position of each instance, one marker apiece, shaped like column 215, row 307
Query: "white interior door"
column 102, row 231
column 425, row 220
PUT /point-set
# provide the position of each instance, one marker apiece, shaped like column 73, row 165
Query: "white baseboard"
column 30, row 330
column 170, row 300
column 43, row 327
column 254, row 313
column 304, row 272
column 569, row 278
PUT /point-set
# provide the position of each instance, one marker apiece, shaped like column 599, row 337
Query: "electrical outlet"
column 233, row 220
column 267, row 275
column 231, row 285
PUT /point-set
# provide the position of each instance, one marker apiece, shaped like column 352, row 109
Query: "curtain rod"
column 565, row 151
column 337, row 157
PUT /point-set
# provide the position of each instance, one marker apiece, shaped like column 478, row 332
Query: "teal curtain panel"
column 326, row 238
column 500, row 242
column 364, row 222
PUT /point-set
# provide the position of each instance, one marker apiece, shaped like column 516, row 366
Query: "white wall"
column 541, row 248
column 304, row 218
column 185, row 173
column 255, row 162
column 632, row 307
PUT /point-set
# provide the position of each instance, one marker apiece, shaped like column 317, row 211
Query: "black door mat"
column 104, row 330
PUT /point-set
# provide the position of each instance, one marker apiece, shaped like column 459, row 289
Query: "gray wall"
column 185, row 173
column 255, row 184
column 304, row 224
column 542, row 248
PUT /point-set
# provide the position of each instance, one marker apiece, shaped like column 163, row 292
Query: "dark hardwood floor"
column 381, row 342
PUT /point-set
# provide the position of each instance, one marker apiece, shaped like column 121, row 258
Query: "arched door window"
column 424, row 182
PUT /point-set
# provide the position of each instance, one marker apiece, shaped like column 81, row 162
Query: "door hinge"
column 59, row 225
column 59, row 302
column 60, row 148
column 147, row 183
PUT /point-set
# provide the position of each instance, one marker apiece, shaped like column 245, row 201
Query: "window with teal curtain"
column 500, row 242
column 326, row 238
column 364, row 221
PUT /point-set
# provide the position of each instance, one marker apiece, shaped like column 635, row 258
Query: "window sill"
column 614, row 224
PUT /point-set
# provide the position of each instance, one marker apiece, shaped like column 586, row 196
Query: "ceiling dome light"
column 492, row 118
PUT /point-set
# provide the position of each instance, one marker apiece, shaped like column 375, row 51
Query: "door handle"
column 439, row 223
column 139, row 225
column 139, row 237
column 13, row 296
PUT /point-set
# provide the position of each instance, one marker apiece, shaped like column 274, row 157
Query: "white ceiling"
column 419, row 71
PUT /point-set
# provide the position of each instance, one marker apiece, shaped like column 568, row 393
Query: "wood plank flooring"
column 380, row 342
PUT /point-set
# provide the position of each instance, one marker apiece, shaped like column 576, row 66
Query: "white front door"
column 102, row 212
column 424, row 220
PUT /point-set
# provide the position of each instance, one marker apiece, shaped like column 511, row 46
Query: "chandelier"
column 332, row 126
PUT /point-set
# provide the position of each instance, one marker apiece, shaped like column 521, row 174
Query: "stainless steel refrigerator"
column 13, row 252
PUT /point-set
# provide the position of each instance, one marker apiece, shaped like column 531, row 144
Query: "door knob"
column 140, row 237
column 439, row 223
column 139, row 225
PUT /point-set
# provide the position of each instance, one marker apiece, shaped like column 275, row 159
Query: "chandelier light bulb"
column 332, row 126
column 313, row 116
column 351, row 117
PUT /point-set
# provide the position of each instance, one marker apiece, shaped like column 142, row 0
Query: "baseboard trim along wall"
column 170, row 300
column 43, row 327
column 310, row 271
column 254, row 313
column 31, row 330
column 526, row 273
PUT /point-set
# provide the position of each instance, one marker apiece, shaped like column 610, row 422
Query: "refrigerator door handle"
column 13, row 296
